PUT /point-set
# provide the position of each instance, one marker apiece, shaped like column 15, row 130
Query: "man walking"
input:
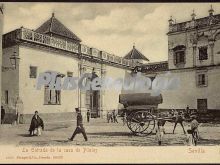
column 79, row 127
column 88, row 115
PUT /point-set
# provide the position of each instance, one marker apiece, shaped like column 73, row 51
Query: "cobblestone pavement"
column 101, row 133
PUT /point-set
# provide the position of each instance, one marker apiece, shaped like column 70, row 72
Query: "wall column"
column 211, row 44
column 194, row 54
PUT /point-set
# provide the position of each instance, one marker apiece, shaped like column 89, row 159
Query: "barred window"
column 202, row 79
column 33, row 72
column 52, row 97
column 202, row 104
column 203, row 54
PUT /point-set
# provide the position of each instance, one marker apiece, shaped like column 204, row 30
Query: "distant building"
column 194, row 57
column 53, row 47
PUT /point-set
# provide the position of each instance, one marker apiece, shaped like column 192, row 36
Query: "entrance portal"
column 95, row 103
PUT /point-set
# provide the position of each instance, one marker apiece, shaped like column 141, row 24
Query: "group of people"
column 37, row 124
column 191, row 135
column 112, row 116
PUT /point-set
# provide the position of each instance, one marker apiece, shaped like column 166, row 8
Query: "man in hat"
column 79, row 127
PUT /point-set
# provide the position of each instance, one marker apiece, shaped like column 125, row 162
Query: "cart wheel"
column 141, row 122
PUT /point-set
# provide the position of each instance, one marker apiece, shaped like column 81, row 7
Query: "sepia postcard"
column 109, row 82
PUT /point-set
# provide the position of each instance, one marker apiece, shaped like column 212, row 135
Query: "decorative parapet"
column 154, row 67
column 193, row 24
column 31, row 36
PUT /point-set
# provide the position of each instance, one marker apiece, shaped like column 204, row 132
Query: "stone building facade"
column 193, row 57
column 53, row 47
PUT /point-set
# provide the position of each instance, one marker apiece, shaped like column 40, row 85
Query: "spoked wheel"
column 141, row 122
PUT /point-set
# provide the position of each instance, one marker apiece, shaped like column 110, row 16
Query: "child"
column 159, row 132
column 189, row 139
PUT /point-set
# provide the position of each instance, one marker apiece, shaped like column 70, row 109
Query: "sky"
column 111, row 27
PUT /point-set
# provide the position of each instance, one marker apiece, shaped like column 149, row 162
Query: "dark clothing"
column 35, row 123
column 88, row 116
column 79, row 128
column 114, row 116
column 2, row 115
column 79, row 120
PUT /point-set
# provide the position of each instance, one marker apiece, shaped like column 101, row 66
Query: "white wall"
column 45, row 60
column 188, row 92
column 111, row 96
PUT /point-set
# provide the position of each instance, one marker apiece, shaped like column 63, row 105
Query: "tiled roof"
column 135, row 54
column 54, row 26
column 154, row 67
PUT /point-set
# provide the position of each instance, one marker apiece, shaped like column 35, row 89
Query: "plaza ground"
column 101, row 133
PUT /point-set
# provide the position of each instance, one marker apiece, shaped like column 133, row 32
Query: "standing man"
column 114, row 115
column 187, row 112
column 108, row 116
column 2, row 115
column 79, row 127
column 88, row 115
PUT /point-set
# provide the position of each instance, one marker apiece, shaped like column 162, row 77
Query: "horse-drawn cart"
column 139, row 109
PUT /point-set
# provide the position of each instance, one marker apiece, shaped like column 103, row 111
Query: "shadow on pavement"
column 24, row 135
column 112, row 133
column 209, row 141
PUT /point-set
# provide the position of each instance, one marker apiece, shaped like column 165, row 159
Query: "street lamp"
column 14, row 59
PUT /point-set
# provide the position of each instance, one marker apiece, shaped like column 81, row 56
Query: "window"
column 69, row 74
column 202, row 104
column 6, row 97
column 33, row 72
column 179, row 57
column 179, row 54
column 203, row 55
column 202, row 79
column 52, row 97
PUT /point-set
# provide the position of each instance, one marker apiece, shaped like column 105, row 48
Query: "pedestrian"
column 179, row 119
column 2, row 115
column 88, row 115
column 159, row 132
column 108, row 116
column 189, row 141
column 114, row 115
column 79, row 127
column 36, row 125
column 124, row 118
column 194, row 128
column 187, row 115
column 111, row 117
